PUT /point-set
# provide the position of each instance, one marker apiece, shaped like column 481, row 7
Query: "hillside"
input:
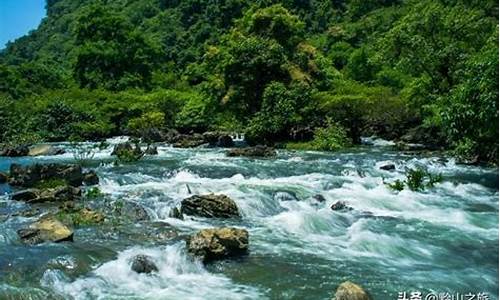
column 314, row 74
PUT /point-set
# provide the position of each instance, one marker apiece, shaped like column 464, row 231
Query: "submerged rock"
column 47, row 229
column 43, row 150
column 133, row 211
column 90, row 178
column 143, row 264
column 351, row 291
column 320, row 198
column 28, row 176
column 218, row 243
column 210, row 206
column 14, row 151
column 388, row 167
column 285, row 196
column 3, row 178
column 257, row 151
column 340, row 205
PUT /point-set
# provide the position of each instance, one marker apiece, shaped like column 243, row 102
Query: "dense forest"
column 308, row 74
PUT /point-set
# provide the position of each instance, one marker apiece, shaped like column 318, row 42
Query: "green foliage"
column 282, row 109
column 99, row 68
column 333, row 137
column 50, row 183
column 417, row 179
column 397, row 185
column 93, row 193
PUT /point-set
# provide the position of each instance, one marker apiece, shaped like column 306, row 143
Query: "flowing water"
column 441, row 240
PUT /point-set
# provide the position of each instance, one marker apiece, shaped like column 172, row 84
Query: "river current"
column 441, row 240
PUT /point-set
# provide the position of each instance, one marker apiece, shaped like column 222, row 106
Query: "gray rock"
column 218, row 243
column 176, row 213
column 351, row 291
column 151, row 150
column 388, row 167
column 143, row 264
column 47, row 229
column 44, row 150
column 340, row 205
column 28, row 176
column 90, row 178
column 134, row 211
column 210, row 206
column 58, row 194
column 257, row 151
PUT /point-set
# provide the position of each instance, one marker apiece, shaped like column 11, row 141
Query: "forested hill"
column 306, row 73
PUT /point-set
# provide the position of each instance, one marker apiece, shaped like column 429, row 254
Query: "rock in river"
column 3, row 178
column 351, row 291
column 218, row 243
column 388, row 167
column 41, row 150
column 257, row 151
column 210, row 206
column 340, row 205
column 14, row 151
column 90, row 178
column 58, row 194
column 143, row 264
column 28, row 176
column 47, row 229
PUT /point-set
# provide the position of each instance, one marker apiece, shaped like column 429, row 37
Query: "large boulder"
column 210, row 206
column 189, row 141
column 257, row 151
column 218, row 139
column 28, row 176
column 44, row 150
column 14, row 151
column 58, row 194
column 143, row 264
column 351, row 291
column 47, row 229
column 218, row 243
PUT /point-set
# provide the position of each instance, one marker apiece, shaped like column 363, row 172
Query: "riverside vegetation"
column 308, row 74
column 93, row 216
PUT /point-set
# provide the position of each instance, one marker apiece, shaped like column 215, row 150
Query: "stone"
column 47, row 229
column 133, row 211
column 189, row 141
column 90, row 178
column 29, row 176
column 151, row 150
column 340, row 205
column 143, row 264
column 3, row 178
column 320, row 198
column 88, row 216
column 225, row 141
column 257, row 151
column 210, row 206
column 176, row 213
column 388, row 167
column 26, row 195
column 45, row 150
column 14, row 151
column 58, row 194
column 351, row 291
column 218, row 243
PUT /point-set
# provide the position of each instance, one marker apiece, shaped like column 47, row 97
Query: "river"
column 441, row 240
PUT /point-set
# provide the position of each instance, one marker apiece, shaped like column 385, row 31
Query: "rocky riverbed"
column 203, row 223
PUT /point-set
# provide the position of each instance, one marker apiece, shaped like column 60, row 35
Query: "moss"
column 80, row 217
column 50, row 183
